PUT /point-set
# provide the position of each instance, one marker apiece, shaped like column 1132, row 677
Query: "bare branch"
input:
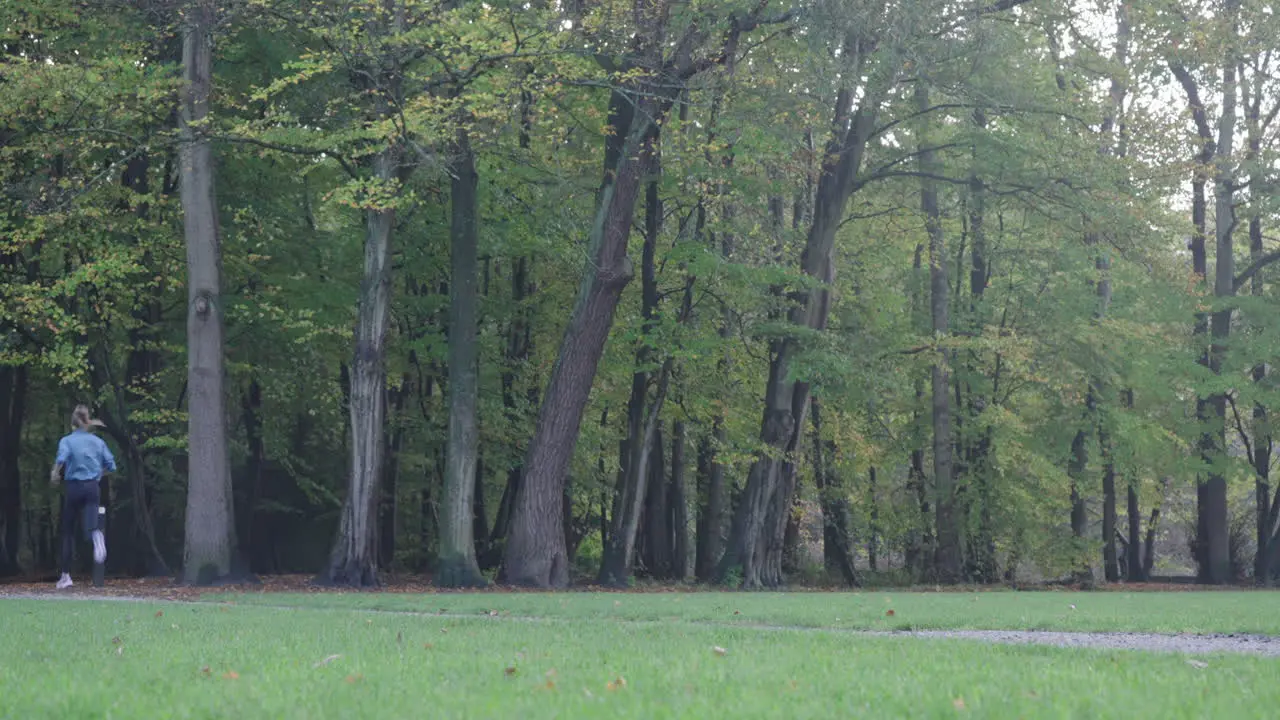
column 1254, row 268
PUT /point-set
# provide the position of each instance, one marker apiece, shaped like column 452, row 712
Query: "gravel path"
column 1264, row 645
column 1188, row 644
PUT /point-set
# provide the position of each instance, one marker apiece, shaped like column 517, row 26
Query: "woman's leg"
column 69, row 512
column 92, row 498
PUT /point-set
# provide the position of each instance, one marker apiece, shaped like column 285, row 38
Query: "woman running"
column 83, row 458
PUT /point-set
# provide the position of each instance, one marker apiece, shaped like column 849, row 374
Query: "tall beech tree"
column 210, row 521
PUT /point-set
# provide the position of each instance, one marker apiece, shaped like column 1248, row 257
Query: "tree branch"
column 291, row 149
column 1254, row 268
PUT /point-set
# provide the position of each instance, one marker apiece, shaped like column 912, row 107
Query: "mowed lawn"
column 1249, row 611
column 582, row 655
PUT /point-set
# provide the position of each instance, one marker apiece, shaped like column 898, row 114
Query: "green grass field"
column 572, row 656
column 1163, row 612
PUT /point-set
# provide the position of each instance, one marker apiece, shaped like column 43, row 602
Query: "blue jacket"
column 84, row 457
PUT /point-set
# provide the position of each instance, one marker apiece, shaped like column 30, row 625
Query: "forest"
column 755, row 293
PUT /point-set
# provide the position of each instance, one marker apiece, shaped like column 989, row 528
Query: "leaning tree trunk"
column 354, row 560
column 210, row 526
column 637, row 448
column 536, row 553
column 456, row 559
column 841, row 161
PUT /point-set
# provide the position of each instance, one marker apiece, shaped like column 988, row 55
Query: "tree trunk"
column 711, row 504
column 772, row 548
column 679, row 502
column 1262, row 437
column 615, row 566
column 456, row 564
column 979, row 446
column 519, row 345
column 393, row 436
column 251, row 412
column 210, row 518
column 873, row 541
column 536, row 554
column 949, row 557
column 1076, row 467
column 919, row 553
column 837, row 550
column 354, row 560
column 1110, row 560
column 657, row 515
column 1133, row 548
column 1217, row 550
column 636, row 450
column 13, row 392
column 842, row 160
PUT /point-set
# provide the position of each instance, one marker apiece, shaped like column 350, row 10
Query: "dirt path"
column 1187, row 644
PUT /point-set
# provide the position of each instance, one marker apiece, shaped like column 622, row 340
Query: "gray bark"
column 456, row 564
column 1217, row 551
column 354, row 560
column 679, row 503
column 210, row 523
column 949, row 567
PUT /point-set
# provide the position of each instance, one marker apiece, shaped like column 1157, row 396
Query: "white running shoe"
column 99, row 547
column 64, row 582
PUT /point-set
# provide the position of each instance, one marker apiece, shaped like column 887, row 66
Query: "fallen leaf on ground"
column 958, row 703
column 719, row 651
column 206, row 671
column 618, row 684
column 890, row 613
column 159, row 613
column 1198, row 664
column 327, row 660
column 428, row 646
column 231, row 675
column 735, row 612
column 353, row 679
column 510, row 671
column 551, row 685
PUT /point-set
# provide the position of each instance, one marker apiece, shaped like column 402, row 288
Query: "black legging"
column 81, row 499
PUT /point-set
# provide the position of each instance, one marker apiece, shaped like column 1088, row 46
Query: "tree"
column 652, row 78
column 210, row 525
column 457, row 565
